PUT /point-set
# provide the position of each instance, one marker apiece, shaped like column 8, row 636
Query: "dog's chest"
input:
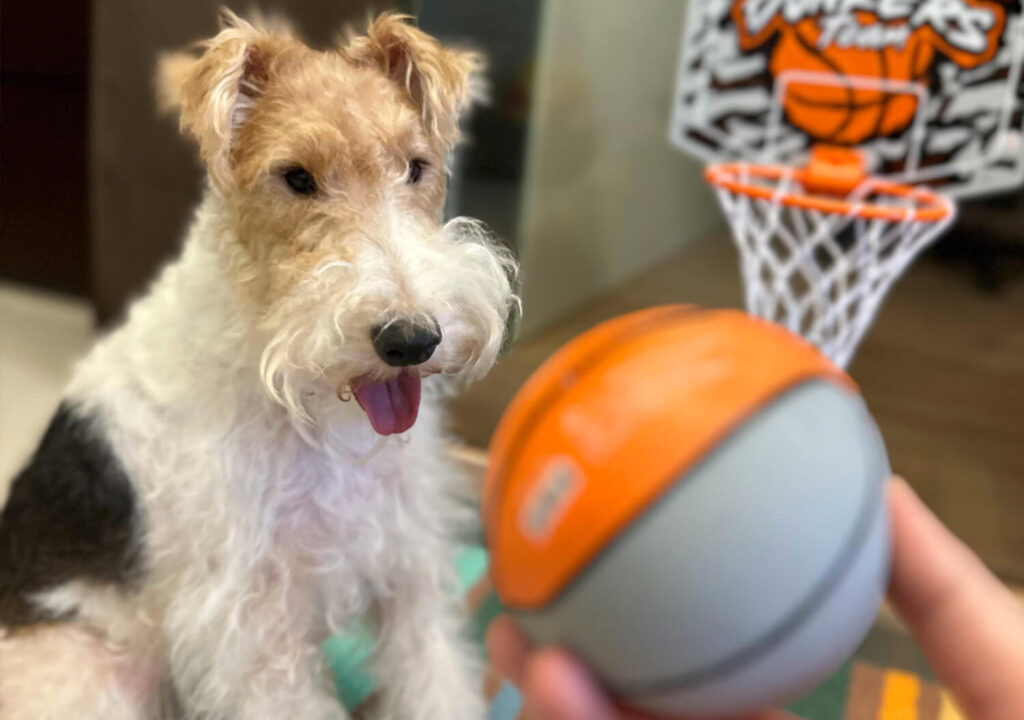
column 335, row 515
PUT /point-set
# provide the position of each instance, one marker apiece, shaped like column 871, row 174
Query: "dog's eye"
column 300, row 181
column 416, row 166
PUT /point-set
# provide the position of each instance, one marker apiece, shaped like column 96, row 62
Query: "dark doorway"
column 44, row 70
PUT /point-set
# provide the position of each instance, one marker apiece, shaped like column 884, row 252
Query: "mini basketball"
column 692, row 502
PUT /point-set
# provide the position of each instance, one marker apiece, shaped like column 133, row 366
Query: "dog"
column 255, row 459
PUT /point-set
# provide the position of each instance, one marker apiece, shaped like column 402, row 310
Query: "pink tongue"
column 391, row 405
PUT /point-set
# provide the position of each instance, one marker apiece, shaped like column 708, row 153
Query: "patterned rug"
column 887, row 679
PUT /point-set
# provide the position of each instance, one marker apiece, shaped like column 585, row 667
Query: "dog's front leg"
column 427, row 669
column 248, row 656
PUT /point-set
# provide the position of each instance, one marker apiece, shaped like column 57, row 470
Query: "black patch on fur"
column 71, row 514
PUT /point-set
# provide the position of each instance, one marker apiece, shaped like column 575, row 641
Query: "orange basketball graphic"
column 900, row 50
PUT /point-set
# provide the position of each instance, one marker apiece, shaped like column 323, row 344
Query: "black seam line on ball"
column 549, row 398
column 761, row 646
column 773, row 637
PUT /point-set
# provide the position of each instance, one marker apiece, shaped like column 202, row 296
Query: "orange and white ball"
column 692, row 502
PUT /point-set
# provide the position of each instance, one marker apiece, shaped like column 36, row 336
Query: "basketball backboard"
column 931, row 90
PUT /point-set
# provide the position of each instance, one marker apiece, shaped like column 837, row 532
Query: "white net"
column 823, row 273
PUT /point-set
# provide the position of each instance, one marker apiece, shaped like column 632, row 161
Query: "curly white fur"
column 264, row 529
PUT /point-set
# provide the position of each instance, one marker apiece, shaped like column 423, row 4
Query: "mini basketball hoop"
column 820, row 246
column 837, row 135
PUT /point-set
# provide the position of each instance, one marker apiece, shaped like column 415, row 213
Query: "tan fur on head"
column 215, row 91
column 440, row 81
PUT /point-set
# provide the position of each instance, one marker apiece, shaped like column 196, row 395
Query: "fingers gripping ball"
column 693, row 503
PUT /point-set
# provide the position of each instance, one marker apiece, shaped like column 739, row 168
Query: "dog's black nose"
column 401, row 343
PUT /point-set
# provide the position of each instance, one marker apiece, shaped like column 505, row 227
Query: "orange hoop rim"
column 932, row 206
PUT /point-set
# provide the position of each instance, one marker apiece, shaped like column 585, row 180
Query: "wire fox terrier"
column 220, row 488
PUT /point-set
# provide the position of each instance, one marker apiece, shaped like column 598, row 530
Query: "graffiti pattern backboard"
column 931, row 90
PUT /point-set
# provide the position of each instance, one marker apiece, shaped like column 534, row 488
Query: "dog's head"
column 331, row 167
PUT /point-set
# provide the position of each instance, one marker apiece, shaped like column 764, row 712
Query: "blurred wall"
column 487, row 177
column 606, row 196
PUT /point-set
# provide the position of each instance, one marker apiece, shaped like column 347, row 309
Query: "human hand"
column 968, row 625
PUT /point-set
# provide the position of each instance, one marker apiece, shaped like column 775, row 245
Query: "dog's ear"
column 442, row 82
column 215, row 91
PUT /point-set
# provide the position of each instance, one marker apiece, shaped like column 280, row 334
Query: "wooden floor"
column 943, row 372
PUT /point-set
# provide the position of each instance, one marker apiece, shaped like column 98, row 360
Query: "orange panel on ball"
column 611, row 421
